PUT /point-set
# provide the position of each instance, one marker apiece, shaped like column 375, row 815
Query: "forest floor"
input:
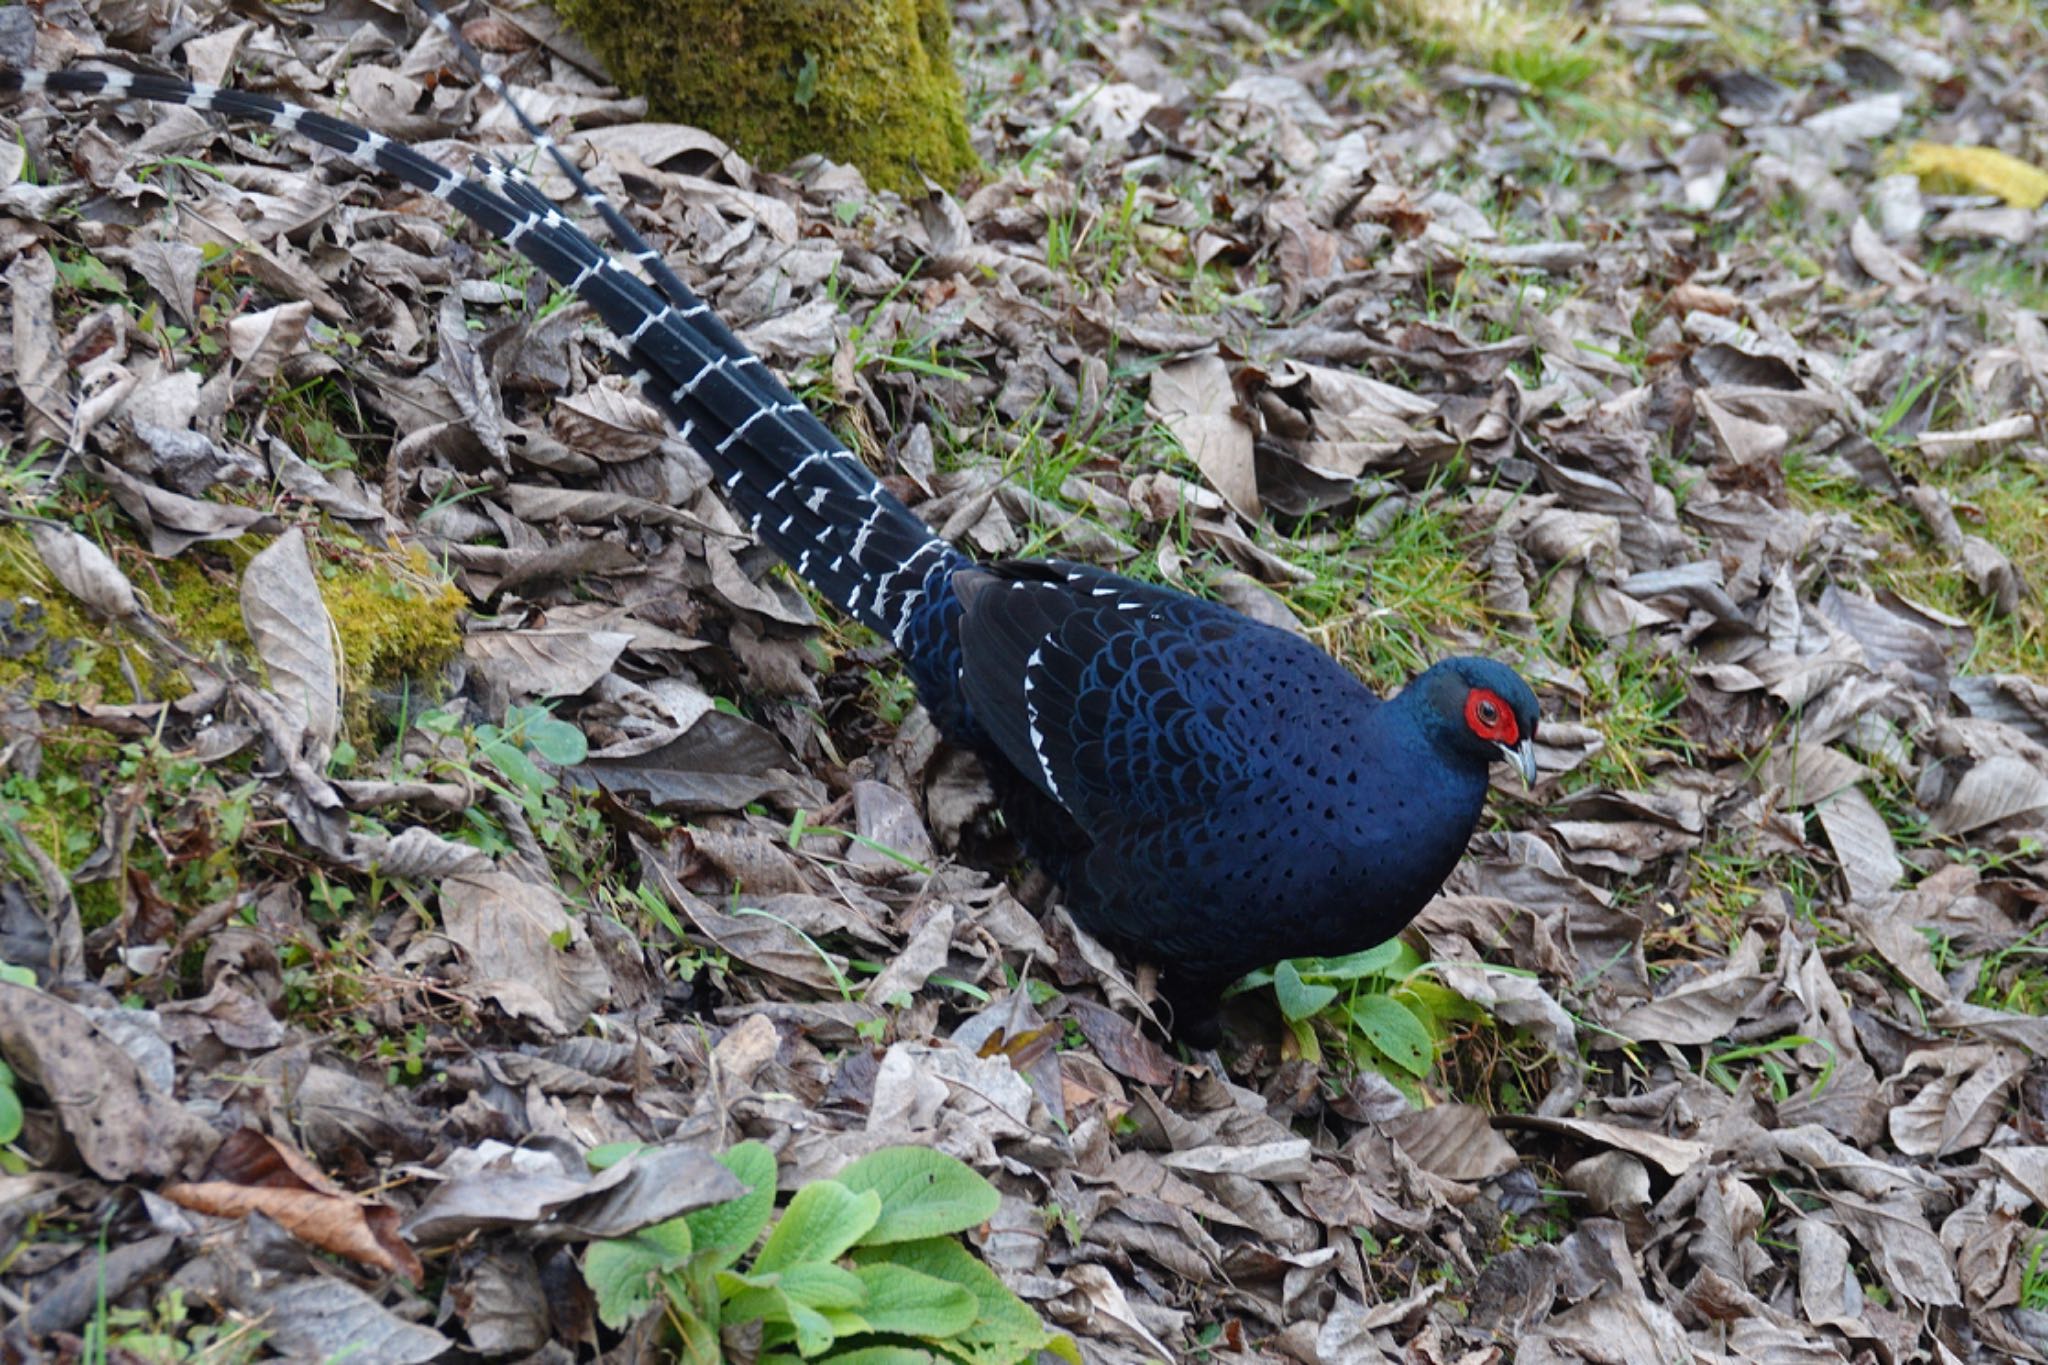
column 432, row 829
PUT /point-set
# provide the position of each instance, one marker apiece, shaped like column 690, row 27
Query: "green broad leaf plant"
column 1379, row 1006
column 862, row 1269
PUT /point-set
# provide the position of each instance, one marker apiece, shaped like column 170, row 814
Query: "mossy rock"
column 868, row 82
column 395, row 616
column 396, row 620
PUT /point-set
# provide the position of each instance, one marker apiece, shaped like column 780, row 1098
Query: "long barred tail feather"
column 622, row 232
column 802, row 492
column 906, row 581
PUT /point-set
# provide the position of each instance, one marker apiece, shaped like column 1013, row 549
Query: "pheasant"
column 1211, row 794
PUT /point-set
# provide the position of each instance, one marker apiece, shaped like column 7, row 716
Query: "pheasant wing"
column 1117, row 699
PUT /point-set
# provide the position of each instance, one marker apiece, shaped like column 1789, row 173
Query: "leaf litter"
column 1718, row 413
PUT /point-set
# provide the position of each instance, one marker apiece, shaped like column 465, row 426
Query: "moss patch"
column 870, row 82
column 396, row 617
column 52, row 649
column 182, row 853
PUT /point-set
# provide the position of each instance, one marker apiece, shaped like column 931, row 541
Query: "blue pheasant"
column 1210, row 793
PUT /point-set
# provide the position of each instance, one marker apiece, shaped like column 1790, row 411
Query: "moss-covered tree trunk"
column 869, row 82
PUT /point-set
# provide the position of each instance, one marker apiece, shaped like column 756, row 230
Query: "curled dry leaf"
column 1703, row 1009
column 1456, row 1141
column 2000, row 787
column 960, row 1104
column 38, row 359
column 418, row 854
column 763, row 940
column 609, row 424
column 1282, row 1160
column 1195, row 399
column 539, row 661
column 364, row 1233
column 525, row 951
column 1107, row 1308
column 123, row 1124
column 924, row 954
column 294, row 637
column 1675, row 1156
column 85, row 571
column 1960, row 1106
column 1862, row 843
column 80, row 1296
column 1903, row 1249
column 263, row 341
column 318, row 1317
column 495, row 1186
column 1121, row 1045
column 173, row 522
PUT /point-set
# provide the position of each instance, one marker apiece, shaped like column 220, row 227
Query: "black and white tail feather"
column 800, row 491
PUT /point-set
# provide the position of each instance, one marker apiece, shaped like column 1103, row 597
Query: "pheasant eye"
column 1489, row 717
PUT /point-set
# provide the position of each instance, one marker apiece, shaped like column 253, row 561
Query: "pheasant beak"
column 1523, row 757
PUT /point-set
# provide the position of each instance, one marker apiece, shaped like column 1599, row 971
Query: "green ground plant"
column 1378, row 1010
column 862, row 1269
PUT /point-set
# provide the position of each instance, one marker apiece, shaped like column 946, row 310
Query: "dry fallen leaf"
column 288, row 623
column 85, row 571
column 525, row 952
column 123, row 1124
column 1195, row 400
column 543, row 662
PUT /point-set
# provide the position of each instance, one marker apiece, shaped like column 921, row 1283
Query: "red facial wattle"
column 1491, row 718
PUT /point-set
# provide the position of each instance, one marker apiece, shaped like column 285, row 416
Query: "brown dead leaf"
column 1122, row 1046
column 1699, row 1011
column 2025, row 1167
column 546, row 662
column 1456, row 1141
column 1196, row 401
column 1961, row 1106
column 1828, row 1288
column 957, row 1102
column 721, row 762
column 1285, row 1160
column 923, row 955
column 122, row 1123
column 495, row 1186
column 263, row 341
column 1903, row 1250
column 2000, row 787
column 609, row 424
column 1675, row 1156
column 288, row 624
column 342, row 1226
column 1862, row 843
column 174, row 522
column 318, row 1317
column 85, row 571
column 525, row 952
column 37, row 360
column 759, row 939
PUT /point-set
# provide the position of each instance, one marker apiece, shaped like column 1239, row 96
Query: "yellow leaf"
column 1978, row 170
